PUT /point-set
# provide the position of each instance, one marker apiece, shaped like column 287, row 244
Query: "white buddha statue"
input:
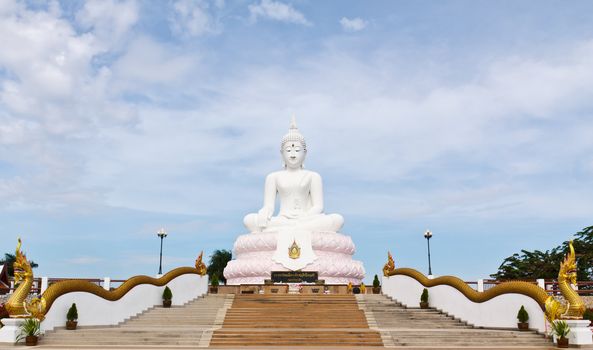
column 300, row 192
column 300, row 237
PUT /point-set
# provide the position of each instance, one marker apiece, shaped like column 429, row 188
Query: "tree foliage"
column 537, row 264
column 218, row 262
column 9, row 260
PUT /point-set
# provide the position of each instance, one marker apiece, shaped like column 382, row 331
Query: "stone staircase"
column 428, row 328
column 295, row 320
column 284, row 320
column 188, row 326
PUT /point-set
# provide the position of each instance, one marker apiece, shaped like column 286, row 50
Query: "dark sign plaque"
column 294, row 276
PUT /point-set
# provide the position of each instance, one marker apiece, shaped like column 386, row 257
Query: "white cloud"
column 52, row 96
column 353, row 25
column 277, row 11
column 148, row 62
column 109, row 20
column 192, row 18
column 492, row 138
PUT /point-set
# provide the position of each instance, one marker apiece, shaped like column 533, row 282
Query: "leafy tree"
column 218, row 262
column 538, row 264
column 9, row 260
column 583, row 246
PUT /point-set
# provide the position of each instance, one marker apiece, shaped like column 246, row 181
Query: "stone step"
column 271, row 321
column 429, row 328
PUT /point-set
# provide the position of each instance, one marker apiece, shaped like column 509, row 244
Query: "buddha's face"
column 293, row 154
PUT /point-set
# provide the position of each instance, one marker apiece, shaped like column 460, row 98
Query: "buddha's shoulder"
column 313, row 174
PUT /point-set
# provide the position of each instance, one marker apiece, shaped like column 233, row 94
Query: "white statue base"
column 580, row 333
column 328, row 253
column 10, row 331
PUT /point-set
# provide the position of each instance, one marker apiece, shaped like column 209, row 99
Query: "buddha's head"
column 293, row 147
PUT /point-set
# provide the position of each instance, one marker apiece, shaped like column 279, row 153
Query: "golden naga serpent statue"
column 567, row 277
column 554, row 309
column 18, row 307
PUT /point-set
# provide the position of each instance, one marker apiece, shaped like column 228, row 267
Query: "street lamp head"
column 427, row 234
column 162, row 233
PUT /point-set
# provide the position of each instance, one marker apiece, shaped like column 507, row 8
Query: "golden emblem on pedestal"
column 294, row 251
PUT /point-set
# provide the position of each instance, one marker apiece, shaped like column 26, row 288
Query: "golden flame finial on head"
column 200, row 266
column 389, row 266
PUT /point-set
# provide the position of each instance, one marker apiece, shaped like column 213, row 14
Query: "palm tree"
column 218, row 261
column 9, row 260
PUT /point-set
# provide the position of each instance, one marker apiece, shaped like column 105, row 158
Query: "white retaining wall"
column 94, row 310
column 498, row 312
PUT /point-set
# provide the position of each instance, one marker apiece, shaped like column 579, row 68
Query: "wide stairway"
column 429, row 328
column 295, row 320
column 187, row 326
column 272, row 321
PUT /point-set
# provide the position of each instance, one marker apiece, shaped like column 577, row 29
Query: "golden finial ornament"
column 389, row 266
column 294, row 251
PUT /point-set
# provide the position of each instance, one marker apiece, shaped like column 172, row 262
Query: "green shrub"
column 167, row 294
column 522, row 315
column 560, row 328
column 31, row 327
column 214, row 282
column 72, row 313
column 424, row 296
column 376, row 282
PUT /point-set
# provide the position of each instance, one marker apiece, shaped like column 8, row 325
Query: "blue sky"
column 469, row 118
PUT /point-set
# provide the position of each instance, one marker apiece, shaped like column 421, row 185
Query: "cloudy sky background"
column 470, row 118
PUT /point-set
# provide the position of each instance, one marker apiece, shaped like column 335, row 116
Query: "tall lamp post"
column 428, row 235
column 162, row 234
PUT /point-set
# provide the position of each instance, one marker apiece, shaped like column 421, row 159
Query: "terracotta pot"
column 166, row 303
column 31, row 340
column 376, row 290
column 71, row 325
column 523, row 326
column 562, row 342
column 424, row 304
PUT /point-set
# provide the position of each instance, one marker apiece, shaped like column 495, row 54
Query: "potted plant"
column 424, row 299
column 523, row 317
column 72, row 317
column 29, row 330
column 376, row 285
column 167, row 296
column 561, row 329
column 214, row 284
